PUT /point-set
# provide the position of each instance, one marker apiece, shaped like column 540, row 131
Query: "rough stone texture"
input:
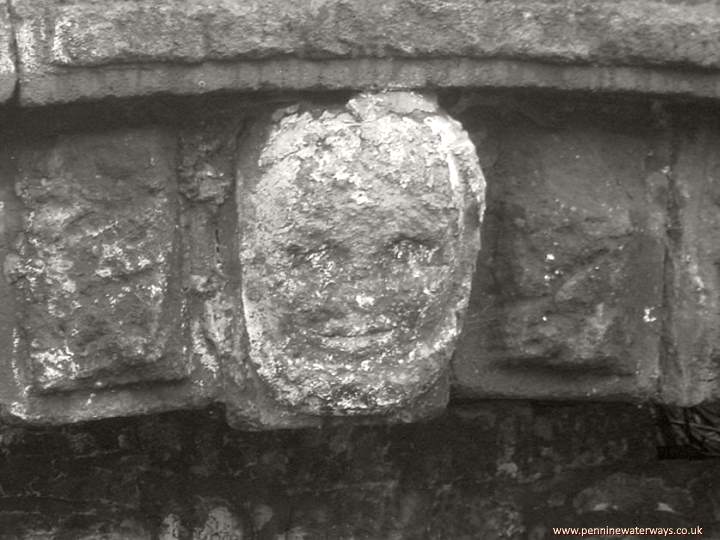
column 599, row 225
column 640, row 32
column 8, row 76
column 360, row 228
column 123, row 291
column 504, row 470
column 568, row 296
column 123, row 279
column 600, row 219
column 690, row 363
column 85, row 49
column 95, row 260
column 95, row 268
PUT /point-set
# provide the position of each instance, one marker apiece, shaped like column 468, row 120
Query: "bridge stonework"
column 387, row 270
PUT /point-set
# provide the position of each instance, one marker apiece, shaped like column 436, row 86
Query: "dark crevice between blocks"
column 688, row 432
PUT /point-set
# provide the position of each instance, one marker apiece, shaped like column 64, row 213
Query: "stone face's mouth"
column 356, row 341
column 361, row 330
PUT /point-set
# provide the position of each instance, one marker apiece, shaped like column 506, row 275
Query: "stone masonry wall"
column 581, row 204
column 592, row 281
column 383, row 270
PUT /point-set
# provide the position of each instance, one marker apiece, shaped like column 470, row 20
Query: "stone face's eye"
column 322, row 256
column 300, row 255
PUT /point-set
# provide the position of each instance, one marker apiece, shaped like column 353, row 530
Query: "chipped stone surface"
column 80, row 49
column 359, row 232
column 94, row 262
column 568, row 297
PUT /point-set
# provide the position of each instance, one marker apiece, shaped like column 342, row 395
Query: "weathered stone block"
column 79, row 49
column 359, row 231
column 93, row 266
column 568, row 296
column 690, row 364
column 8, row 77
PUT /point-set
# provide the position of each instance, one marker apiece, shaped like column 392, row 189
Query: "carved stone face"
column 359, row 232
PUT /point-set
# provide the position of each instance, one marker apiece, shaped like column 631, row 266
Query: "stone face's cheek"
column 357, row 250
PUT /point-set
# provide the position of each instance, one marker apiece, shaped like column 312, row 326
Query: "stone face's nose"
column 358, row 233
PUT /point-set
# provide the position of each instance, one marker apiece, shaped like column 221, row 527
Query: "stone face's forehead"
column 356, row 253
column 348, row 171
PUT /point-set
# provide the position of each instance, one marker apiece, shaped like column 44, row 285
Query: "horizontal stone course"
column 630, row 33
column 597, row 275
column 596, row 279
column 79, row 50
column 506, row 470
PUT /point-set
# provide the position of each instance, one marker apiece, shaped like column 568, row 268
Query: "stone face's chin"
column 357, row 248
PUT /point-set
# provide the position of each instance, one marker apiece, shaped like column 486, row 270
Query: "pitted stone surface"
column 359, row 232
column 79, row 49
column 94, row 262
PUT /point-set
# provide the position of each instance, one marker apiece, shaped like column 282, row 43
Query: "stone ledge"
column 298, row 74
column 88, row 50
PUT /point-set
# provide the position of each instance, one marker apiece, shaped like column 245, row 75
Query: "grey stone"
column 84, row 49
column 638, row 32
column 94, row 261
column 568, row 297
column 8, row 75
column 359, row 233
column 690, row 363
column 596, row 277
column 96, row 273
